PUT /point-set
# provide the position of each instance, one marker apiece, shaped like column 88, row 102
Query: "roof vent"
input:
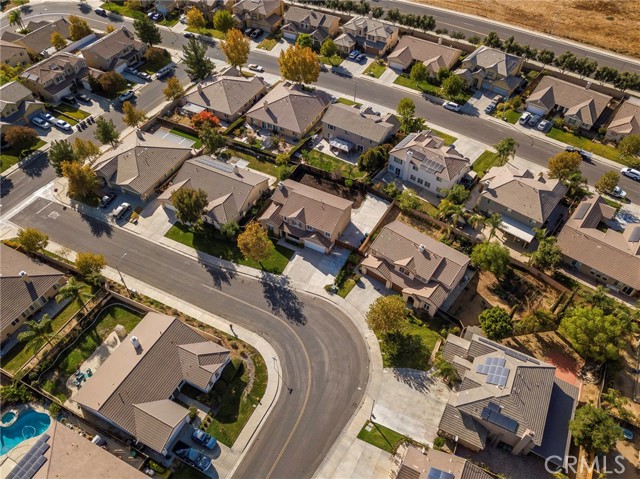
column 266, row 103
column 135, row 342
column 25, row 276
column 588, row 85
column 280, row 186
column 421, row 248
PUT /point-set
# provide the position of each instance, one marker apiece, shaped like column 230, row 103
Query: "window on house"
column 327, row 234
column 438, row 179
column 414, row 167
column 331, row 127
column 397, row 160
column 309, row 228
column 403, row 270
column 508, row 210
column 413, row 177
column 420, row 181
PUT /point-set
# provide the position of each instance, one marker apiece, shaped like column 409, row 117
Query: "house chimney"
column 421, row 248
column 236, row 170
column 588, row 85
column 199, row 87
column 25, row 276
column 139, row 134
column 439, row 40
column 265, row 103
column 135, row 342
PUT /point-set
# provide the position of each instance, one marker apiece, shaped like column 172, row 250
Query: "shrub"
column 438, row 443
column 193, row 412
column 154, row 466
column 54, row 409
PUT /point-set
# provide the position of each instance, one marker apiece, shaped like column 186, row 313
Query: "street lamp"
column 120, row 273
column 275, row 364
column 371, row 415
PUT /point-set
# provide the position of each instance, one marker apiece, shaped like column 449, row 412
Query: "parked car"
column 341, row 72
column 47, row 117
column 39, row 122
column 323, row 67
column 101, row 11
column 193, row 457
column 150, row 14
column 69, row 99
column 618, row 192
column 490, row 107
column 361, row 57
column 183, row 19
column 585, row 155
column 63, row 125
column 533, row 121
column 121, row 210
column 628, row 435
column 84, row 98
column 107, row 199
column 188, row 35
column 144, row 76
column 497, row 99
column 256, row 33
column 256, row 68
column 156, row 17
column 526, row 116
column 450, row 105
column 126, row 95
column 354, row 54
column 206, row 39
column 544, row 125
column 249, row 31
column 631, row 173
column 201, row 437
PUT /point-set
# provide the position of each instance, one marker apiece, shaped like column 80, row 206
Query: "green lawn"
column 62, row 117
column 410, row 348
column 187, row 472
column 197, row 143
column 578, row 141
column 268, row 43
column 335, row 60
column 264, row 166
column 485, row 161
column 21, row 353
column 381, row 437
column 210, row 32
column 511, row 116
column 346, row 101
column 171, row 19
column 237, row 404
column 448, row 139
column 72, row 111
column 152, row 67
column 429, row 88
column 329, row 163
column 122, row 10
column 375, row 69
column 211, row 242
column 10, row 157
column 346, row 287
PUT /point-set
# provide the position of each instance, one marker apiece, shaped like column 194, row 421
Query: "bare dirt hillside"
column 610, row 24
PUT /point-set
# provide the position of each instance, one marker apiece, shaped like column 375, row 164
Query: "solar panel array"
column 432, row 166
column 32, row 461
column 438, row 474
column 495, row 371
column 218, row 165
column 494, row 417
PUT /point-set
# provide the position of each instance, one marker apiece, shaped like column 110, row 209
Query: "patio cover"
column 517, row 229
column 191, row 108
column 340, row 144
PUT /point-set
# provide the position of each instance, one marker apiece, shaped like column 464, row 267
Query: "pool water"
column 8, row 417
column 29, row 424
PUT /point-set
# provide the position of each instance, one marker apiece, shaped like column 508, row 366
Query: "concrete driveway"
column 411, row 402
column 478, row 102
column 364, row 219
column 218, row 455
column 314, row 268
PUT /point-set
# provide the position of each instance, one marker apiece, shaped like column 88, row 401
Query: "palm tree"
column 476, row 220
column 506, row 150
column 38, row 332
column 449, row 212
column 445, row 370
column 72, row 290
column 494, row 221
column 15, row 18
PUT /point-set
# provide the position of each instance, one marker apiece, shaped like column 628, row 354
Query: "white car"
column 126, row 96
column 183, row 19
column 543, row 125
column 256, row 68
column 120, row 211
column 526, row 116
column 631, row 173
column 63, row 125
column 47, row 117
column 39, row 122
column 618, row 192
column 450, row 105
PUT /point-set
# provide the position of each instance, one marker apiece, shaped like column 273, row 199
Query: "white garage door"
column 536, row 110
column 289, row 36
column 313, row 246
column 396, row 66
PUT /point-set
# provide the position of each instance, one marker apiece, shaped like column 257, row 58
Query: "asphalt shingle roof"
column 114, row 43
column 489, row 58
column 434, row 56
column 364, row 123
column 627, row 120
column 370, row 26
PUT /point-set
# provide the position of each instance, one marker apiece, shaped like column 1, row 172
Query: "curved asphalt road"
column 322, row 356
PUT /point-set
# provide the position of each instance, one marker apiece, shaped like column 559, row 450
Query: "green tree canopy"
column 457, row 195
column 407, row 112
column 491, row 257
column 21, row 137
column 594, row 429
column 147, row 31
column 194, row 54
column 59, row 152
column 387, row 314
column 106, row 131
column 90, row 264
column 506, row 150
column 304, row 40
column 78, row 28
column 419, row 72
column 82, row 179
column 32, row 240
column 496, row 323
column 189, row 204
column 629, row 146
column 223, row 20
column 373, row 159
column 408, row 200
column 548, row 255
column 38, row 332
column 328, row 48
column 254, row 242
column 564, row 164
column 453, row 86
column 608, row 181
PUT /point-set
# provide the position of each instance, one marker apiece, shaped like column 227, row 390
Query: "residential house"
column 525, row 200
column 114, row 51
column 17, row 105
column 38, row 40
column 437, row 465
column 26, row 286
column 508, row 399
column 141, row 163
column 425, row 161
column 56, row 76
column 289, row 110
column 492, row 69
column 264, row 14
column 625, row 122
column 374, row 37
column 318, row 25
column 231, row 190
column 422, row 269
column 13, row 54
column 228, row 96
column 580, row 106
column 348, row 128
column 434, row 55
column 306, row 215
column 133, row 388
column 595, row 244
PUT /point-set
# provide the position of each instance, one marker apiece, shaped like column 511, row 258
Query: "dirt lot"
column 333, row 188
column 625, row 380
column 610, row 24
column 483, row 292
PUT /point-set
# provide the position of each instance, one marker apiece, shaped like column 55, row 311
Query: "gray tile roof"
column 141, row 161
column 227, row 94
column 533, row 196
column 313, row 18
column 345, row 40
column 263, row 7
column 433, row 55
column 370, row 26
column 114, row 43
column 54, row 67
column 579, row 101
column 416, row 465
column 290, row 107
column 13, row 93
column 228, row 189
column 610, row 252
column 425, row 150
column 465, row 427
column 9, row 49
column 40, row 39
column 132, row 385
column 362, row 122
column 627, row 120
column 18, row 293
column 491, row 58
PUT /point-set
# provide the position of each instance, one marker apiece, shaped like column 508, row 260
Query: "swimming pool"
column 8, row 417
column 29, row 424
